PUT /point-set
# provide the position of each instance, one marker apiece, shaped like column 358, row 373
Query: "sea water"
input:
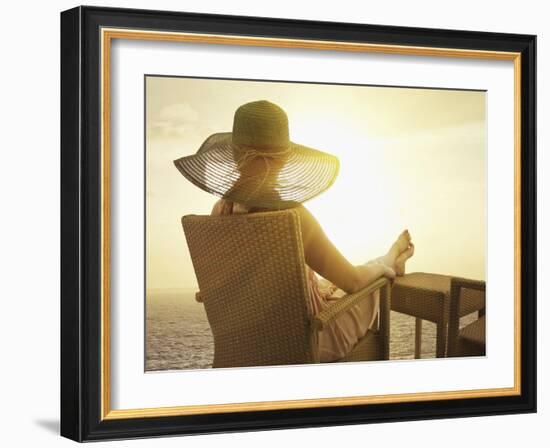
column 178, row 336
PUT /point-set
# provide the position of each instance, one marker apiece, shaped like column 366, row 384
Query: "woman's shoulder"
column 221, row 207
column 225, row 207
column 306, row 218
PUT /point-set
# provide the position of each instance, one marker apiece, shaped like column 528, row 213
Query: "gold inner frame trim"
column 107, row 35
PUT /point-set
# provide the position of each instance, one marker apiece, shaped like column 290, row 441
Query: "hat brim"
column 302, row 174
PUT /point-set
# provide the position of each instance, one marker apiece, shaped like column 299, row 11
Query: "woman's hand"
column 370, row 272
column 380, row 269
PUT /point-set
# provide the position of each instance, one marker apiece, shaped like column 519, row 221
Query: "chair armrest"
column 345, row 303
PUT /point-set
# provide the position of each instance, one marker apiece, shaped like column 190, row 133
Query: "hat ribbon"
column 252, row 153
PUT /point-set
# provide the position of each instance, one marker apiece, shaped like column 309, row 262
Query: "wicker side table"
column 424, row 296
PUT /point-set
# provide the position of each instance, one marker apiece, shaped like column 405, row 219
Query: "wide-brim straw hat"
column 257, row 164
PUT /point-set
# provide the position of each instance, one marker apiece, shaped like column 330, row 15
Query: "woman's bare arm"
column 325, row 259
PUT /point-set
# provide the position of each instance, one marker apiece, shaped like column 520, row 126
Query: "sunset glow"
column 410, row 158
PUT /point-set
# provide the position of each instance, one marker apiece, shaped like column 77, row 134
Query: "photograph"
column 269, row 203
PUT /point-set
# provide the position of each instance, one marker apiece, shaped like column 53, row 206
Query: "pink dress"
column 340, row 336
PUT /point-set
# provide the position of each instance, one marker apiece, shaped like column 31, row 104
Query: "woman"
column 256, row 168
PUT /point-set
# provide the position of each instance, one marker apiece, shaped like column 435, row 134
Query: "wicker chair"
column 467, row 296
column 252, row 279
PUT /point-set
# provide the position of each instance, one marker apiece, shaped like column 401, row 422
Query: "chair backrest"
column 251, row 273
column 466, row 296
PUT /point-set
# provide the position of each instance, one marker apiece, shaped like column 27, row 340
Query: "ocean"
column 178, row 335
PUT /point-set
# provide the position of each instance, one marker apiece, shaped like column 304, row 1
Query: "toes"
column 409, row 252
column 400, row 262
column 406, row 254
column 402, row 243
column 406, row 235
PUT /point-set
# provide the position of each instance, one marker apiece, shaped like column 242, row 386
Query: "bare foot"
column 400, row 245
column 402, row 259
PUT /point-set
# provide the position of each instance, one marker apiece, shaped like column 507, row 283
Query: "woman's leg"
column 340, row 336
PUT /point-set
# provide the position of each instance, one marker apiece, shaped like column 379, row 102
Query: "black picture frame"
column 81, row 223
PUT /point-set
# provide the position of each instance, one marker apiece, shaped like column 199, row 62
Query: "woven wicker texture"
column 251, row 274
column 250, row 271
column 257, row 164
column 471, row 339
column 424, row 295
column 474, row 332
column 467, row 296
column 375, row 346
column 429, row 296
column 346, row 302
column 471, row 300
column 425, row 280
column 369, row 348
column 421, row 295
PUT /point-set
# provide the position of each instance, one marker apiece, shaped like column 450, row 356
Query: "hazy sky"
column 410, row 158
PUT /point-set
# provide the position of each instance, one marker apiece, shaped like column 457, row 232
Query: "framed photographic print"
column 272, row 223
